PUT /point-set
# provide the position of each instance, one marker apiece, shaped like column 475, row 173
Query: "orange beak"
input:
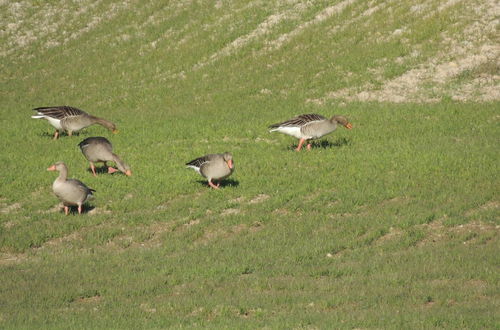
column 52, row 168
column 128, row 173
column 348, row 125
column 230, row 163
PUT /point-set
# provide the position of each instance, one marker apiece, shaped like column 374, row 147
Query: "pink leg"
column 79, row 209
column 56, row 135
column 112, row 170
column 309, row 146
column 301, row 142
column 66, row 209
column 213, row 185
column 92, row 167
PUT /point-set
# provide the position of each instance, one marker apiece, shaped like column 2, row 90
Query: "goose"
column 99, row 149
column 69, row 191
column 309, row 126
column 70, row 119
column 213, row 167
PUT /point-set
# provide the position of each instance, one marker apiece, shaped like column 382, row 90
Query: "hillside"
column 393, row 224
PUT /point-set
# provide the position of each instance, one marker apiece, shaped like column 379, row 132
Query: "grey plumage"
column 71, row 192
column 309, row 126
column 70, row 119
column 213, row 166
column 99, row 149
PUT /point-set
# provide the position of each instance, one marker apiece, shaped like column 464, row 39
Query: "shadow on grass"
column 223, row 183
column 324, row 144
column 73, row 210
column 62, row 134
column 99, row 170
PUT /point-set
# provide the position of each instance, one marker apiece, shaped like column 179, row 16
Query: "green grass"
column 393, row 224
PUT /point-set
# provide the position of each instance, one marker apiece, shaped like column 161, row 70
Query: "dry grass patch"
column 259, row 199
column 11, row 258
column 10, row 208
column 469, row 232
column 392, row 234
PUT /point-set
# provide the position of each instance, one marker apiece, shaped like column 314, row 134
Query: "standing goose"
column 70, row 119
column 99, row 149
column 309, row 126
column 69, row 191
column 213, row 167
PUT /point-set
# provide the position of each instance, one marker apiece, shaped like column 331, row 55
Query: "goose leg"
column 213, row 185
column 66, row 209
column 80, row 209
column 56, row 134
column 301, row 142
column 92, row 167
column 309, row 146
column 70, row 133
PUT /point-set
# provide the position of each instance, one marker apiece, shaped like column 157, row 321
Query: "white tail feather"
column 197, row 169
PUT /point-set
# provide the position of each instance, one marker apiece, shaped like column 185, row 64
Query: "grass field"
column 393, row 224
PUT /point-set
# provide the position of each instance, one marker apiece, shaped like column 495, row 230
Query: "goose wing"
column 59, row 112
column 196, row 163
column 299, row 121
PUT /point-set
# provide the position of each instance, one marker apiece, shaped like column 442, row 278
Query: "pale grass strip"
column 321, row 17
column 459, row 54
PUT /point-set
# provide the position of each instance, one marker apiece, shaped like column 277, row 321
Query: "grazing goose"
column 99, row 149
column 213, row 167
column 69, row 191
column 70, row 119
column 310, row 126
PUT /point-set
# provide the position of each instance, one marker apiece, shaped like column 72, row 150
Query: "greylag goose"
column 99, row 149
column 213, row 167
column 70, row 119
column 69, row 191
column 309, row 126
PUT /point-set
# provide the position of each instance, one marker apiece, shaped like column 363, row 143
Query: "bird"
column 70, row 191
column 99, row 149
column 213, row 167
column 309, row 126
column 70, row 119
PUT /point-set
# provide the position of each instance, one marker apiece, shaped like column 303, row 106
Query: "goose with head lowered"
column 70, row 119
column 99, row 149
column 71, row 192
column 213, row 167
column 309, row 126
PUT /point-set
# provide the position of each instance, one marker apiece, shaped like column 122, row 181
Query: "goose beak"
column 230, row 163
column 52, row 168
column 348, row 125
column 112, row 170
column 128, row 173
column 115, row 131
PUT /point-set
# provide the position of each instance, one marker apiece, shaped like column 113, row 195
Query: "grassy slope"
column 393, row 223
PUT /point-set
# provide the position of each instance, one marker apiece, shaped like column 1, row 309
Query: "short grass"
column 393, row 224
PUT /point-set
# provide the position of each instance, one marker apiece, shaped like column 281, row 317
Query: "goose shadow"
column 99, row 170
column 325, row 144
column 86, row 208
column 223, row 183
column 61, row 134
